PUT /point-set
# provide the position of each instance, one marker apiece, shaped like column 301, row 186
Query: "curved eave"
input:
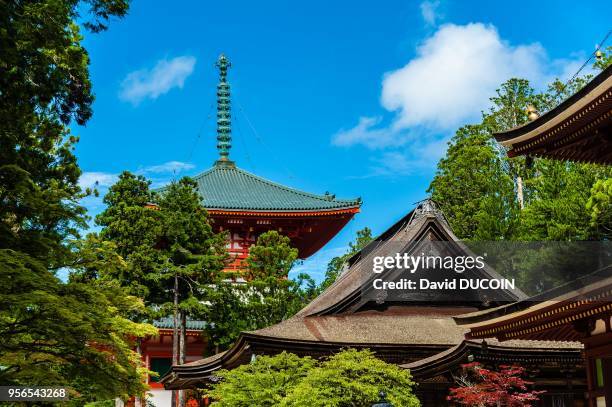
column 579, row 288
column 196, row 373
column 283, row 213
column 548, row 320
column 189, row 374
column 581, row 99
column 450, row 359
column 188, row 332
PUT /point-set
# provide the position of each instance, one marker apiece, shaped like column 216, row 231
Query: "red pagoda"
column 246, row 206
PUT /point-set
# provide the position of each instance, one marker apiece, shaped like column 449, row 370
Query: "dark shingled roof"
column 417, row 325
column 226, row 186
column 340, row 318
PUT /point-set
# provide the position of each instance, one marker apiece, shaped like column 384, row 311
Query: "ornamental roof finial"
column 224, row 114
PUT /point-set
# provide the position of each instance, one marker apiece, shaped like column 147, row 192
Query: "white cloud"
column 420, row 156
column 103, row 180
column 447, row 84
column 454, row 73
column 429, row 11
column 369, row 133
column 403, row 151
column 167, row 167
column 97, row 179
column 151, row 83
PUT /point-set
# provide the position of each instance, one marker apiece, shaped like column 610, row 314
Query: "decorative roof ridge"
column 232, row 167
column 429, row 208
column 423, row 209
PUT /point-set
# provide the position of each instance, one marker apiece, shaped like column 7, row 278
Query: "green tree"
column 487, row 196
column 557, row 209
column 510, row 106
column 353, row 378
column 171, row 253
column 335, row 265
column 599, row 207
column 350, row 378
column 192, row 254
column 267, row 296
column 264, row 382
column 134, row 227
column 44, row 85
column 271, row 256
column 605, row 60
column 73, row 333
column 473, row 189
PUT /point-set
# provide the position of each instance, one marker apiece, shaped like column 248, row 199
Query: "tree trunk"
column 175, row 334
column 183, row 338
column 138, row 399
column 182, row 352
column 519, row 192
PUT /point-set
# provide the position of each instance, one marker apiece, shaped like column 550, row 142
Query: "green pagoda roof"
column 228, row 187
column 168, row 323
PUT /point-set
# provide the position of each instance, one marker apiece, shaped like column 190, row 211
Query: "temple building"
column 416, row 330
column 245, row 206
column 579, row 129
column 583, row 314
column 157, row 355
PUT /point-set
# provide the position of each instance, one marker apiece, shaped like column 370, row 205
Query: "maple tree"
column 488, row 388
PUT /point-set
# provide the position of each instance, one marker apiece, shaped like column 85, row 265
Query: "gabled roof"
column 227, row 187
column 340, row 317
column 425, row 222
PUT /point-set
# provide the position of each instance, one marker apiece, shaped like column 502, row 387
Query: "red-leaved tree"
column 488, row 388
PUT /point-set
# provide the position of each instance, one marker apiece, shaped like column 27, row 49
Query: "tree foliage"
column 599, row 207
column 605, row 60
column 160, row 236
column 472, row 188
column 264, row 382
column 350, row 378
column 75, row 333
column 135, row 229
column 272, row 256
column 487, row 196
column 265, row 298
column 189, row 248
column 489, row 388
column 557, row 208
column 336, row 264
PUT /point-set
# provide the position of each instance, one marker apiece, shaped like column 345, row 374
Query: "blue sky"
column 353, row 97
